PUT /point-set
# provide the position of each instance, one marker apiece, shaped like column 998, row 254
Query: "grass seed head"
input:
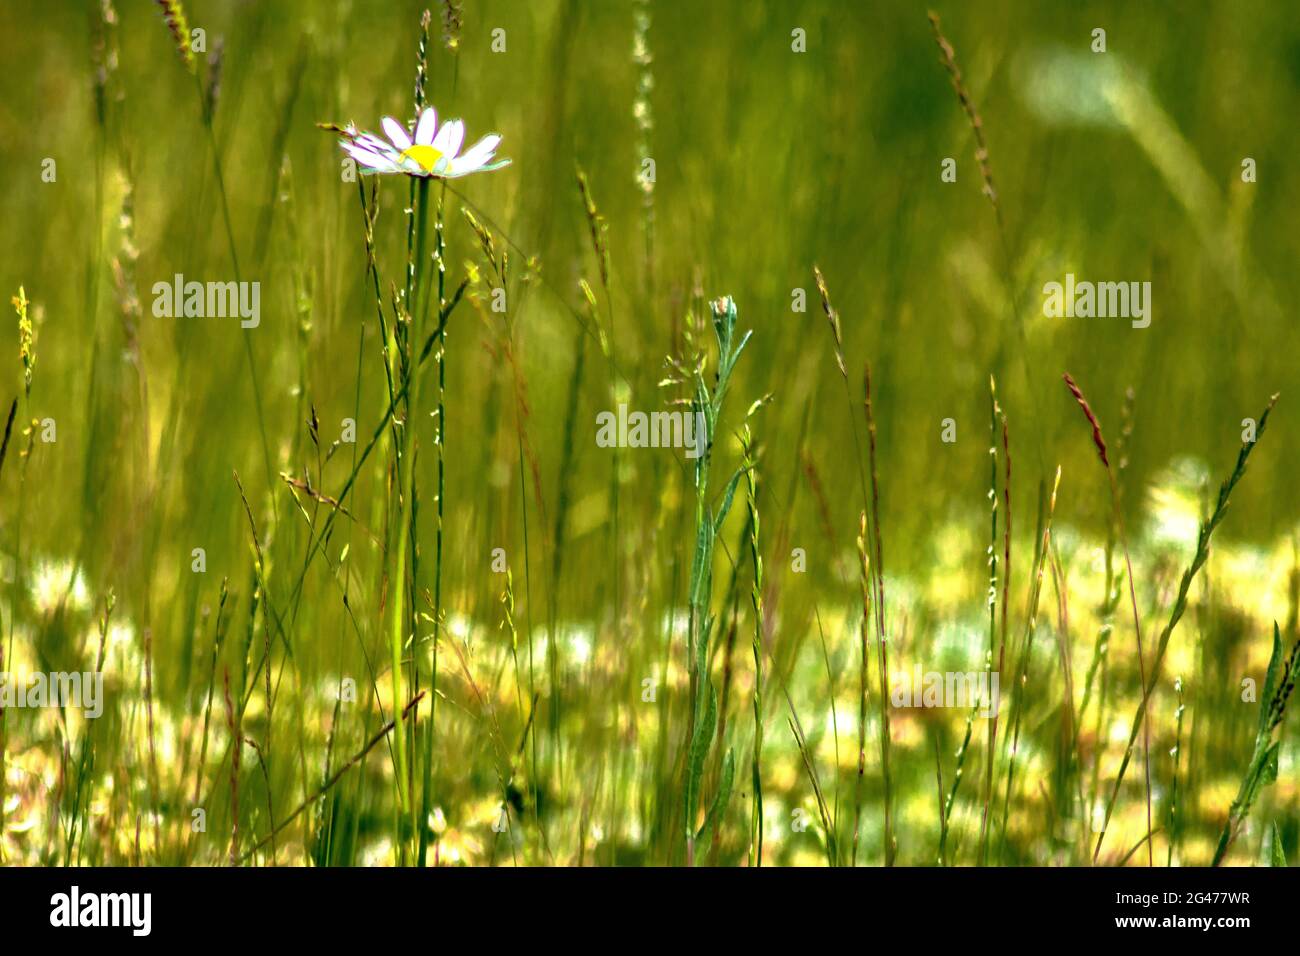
column 26, row 339
column 834, row 318
column 1092, row 418
column 949, row 60
column 451, row 24
column 174, row 16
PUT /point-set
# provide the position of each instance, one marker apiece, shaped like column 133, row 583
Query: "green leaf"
column 702, row 658
column 699, row 752
column 720, row 800
column 744, row 340
column 703, row 561
column 1268, row 772
column 726, row 365
column 1277, row 856
column 726, row 501
column 1270, row 680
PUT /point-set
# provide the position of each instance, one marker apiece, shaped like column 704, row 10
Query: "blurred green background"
column 766, row 162
column 1123, row 166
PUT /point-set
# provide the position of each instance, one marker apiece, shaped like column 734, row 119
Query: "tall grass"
column 355, row 678
column 707, row 402
column 1179, row 608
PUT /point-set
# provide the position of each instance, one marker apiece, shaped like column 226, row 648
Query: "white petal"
column 397, row 133
column 425, row 129
column 449, row 138
column 360, row 152
column 459, row 170
column 480, row 152
column 376, row 145
column 368, row 159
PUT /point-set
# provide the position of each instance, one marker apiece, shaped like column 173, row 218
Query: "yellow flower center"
column 425, row 156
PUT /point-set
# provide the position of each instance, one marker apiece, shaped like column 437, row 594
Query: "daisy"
column 432, row 151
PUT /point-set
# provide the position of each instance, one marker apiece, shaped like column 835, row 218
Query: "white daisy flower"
column 429, row 151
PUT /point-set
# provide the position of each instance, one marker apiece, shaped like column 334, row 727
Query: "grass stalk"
column 1201, row 555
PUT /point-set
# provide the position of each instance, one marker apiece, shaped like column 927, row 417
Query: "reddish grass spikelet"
column 1092, row 419
column 1132, row 590
column 179, row 27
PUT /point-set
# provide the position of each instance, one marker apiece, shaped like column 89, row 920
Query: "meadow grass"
column 365, row 590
